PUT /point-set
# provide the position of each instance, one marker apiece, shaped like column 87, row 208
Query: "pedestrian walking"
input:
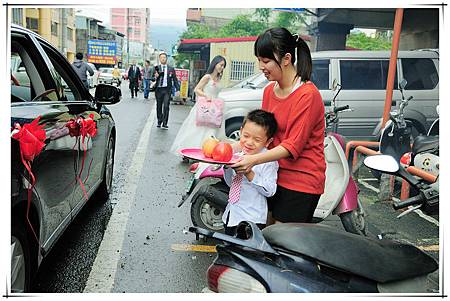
column 299, row 111
column 117, row 76
column 81, row 68
column 147, row 77
column 190, row 134
column 165, row 78
column 248, row 192
column 134, row 75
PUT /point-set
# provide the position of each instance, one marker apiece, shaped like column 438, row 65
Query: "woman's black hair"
column 217, row 59
column 279, row 41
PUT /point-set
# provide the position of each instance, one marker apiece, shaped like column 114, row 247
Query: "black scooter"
column 311, row 258
column 395, row 140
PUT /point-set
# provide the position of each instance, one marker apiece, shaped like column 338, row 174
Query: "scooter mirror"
column 403, row 84
column 383, row 163
column 334, row 85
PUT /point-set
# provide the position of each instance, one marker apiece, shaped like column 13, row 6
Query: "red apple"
column 208, row 146
column 222, row 152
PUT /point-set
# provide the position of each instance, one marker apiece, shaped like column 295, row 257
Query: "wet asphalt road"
column 148, row 261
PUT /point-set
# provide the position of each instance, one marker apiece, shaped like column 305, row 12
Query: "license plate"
column 189, row 184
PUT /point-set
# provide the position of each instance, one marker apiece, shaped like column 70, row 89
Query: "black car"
column 44, row 84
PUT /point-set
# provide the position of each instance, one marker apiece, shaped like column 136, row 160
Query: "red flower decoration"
column 31, row 139
column 88, row 127
column 74, row 129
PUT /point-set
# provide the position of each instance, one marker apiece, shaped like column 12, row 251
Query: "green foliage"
column 290, row 21
column 263, row 15
column 242, row 26
column 197, row 31
column 361, row 41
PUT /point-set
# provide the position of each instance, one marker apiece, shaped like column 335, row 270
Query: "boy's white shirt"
column 252, row 204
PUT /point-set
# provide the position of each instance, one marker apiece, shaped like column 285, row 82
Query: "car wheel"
column 20, row 260
column 233, row 131
column 205, row 215
column 105, row 187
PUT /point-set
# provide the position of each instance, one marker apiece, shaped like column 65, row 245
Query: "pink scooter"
column 208, row 193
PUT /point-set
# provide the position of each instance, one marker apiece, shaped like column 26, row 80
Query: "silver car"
column 105, row 76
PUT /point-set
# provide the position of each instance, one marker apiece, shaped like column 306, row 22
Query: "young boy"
column 248, row 192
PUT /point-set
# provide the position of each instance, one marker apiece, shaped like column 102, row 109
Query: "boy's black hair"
column 79, row 56
column 264, row 119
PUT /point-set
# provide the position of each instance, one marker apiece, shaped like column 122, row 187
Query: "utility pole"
column 128, row 37
column 63, row 18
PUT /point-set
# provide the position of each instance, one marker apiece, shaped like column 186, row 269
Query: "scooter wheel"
column 205, row 215
column 354, row 221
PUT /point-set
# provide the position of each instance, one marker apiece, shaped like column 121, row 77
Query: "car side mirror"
column 107, row 94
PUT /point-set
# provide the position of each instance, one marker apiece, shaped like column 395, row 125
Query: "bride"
column 190, row 135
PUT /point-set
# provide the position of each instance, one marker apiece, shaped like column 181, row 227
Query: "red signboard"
column 97, row 59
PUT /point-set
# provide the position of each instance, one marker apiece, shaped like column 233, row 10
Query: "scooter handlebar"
column 343, row 108
column 415, row 200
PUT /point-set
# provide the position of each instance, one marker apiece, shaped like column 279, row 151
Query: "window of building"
column 32, row 24
column 54, row 27
column 320, row 75
column 69, row 33
column 421, row 74
column 241, row 70
column 137, row 21
column 365, row 74
column 17, row 16
column 137, row 32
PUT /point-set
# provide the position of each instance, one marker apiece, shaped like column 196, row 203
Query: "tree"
column 289, row 21
column 361, row 41
column 242, row 26
column 197, row 31
column 263, row 15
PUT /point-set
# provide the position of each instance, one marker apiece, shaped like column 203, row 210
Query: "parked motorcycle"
column 116, row 81
column 314, row 258
column 425, row 150
column 208, row 193
column 395, row 140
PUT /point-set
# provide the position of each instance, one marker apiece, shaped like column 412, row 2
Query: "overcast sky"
column 169, row 16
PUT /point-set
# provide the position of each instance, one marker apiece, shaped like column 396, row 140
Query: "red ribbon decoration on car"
column 31, row 137
column 84, row 128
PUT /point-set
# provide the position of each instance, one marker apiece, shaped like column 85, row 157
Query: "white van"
column 363, row 76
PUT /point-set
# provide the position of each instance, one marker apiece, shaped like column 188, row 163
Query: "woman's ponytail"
column 304, row 61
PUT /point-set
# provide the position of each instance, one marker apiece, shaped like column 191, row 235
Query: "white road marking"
column 418, row 212
column 101, row 278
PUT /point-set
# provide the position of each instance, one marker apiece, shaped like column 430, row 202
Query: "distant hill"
column 163, row 36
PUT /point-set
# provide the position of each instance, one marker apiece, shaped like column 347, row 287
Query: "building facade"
column 135, row 24
column 56, row 25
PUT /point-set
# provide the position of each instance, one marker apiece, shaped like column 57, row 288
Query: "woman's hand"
column 245, row 164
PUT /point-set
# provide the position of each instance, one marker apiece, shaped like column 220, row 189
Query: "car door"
column 364, row 90
column 91, row 154
column 53, row 168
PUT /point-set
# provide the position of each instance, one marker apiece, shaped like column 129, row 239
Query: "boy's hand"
column 250, row 175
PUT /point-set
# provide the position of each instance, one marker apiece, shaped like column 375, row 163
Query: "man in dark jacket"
column 134, row 75
column 165, row 78
column 81, row 68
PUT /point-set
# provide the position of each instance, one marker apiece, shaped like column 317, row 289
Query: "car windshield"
column 106, row 70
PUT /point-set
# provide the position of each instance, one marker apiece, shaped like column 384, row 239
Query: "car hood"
column 238, row 94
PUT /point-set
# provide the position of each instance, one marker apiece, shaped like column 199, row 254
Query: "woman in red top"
column 299, row 111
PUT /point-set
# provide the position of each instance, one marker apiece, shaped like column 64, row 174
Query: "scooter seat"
column 423, row 144
column 379, row 260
